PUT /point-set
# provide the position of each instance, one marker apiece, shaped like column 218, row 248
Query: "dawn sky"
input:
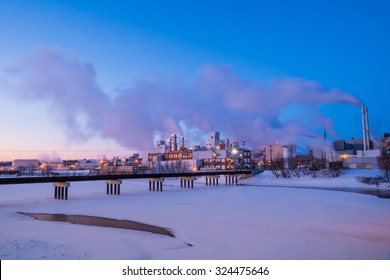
column 82, row 78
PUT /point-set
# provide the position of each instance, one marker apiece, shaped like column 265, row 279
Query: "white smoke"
column 218, row 99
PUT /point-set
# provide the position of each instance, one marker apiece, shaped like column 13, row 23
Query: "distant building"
column 70, row 164
column 213, row 141
column 132, row 164
column 88, row 164
column 5, row 164
column 216, row 159
column 5, row 167
column 365, row 159
column 352, row 145
column 217, row 154
column 355, row 154
column 51, row 165
column 175, row 160
column 134, row 160
column 25, row 163
column 275, row 152
column 360, row 153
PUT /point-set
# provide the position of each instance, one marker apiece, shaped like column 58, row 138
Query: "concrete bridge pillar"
column 113, row 187
column 156, row 184
column 212, row 180
column 61, row 190
column 232, row 179
column 187, row 182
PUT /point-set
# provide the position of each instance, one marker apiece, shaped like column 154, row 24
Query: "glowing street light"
column 234, row 152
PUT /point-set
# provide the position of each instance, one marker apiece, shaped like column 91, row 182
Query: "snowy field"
column 259, row 219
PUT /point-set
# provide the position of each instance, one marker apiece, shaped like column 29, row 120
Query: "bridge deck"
column 71, row 178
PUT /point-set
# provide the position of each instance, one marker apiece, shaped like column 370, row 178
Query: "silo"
column 287, row 156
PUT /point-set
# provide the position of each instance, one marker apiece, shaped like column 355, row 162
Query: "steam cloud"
column 218, row 99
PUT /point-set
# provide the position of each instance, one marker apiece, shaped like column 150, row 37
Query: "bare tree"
column 47, row 170
column 384, row 165
column 314, row 168
column 176, row 166
column 30, row 169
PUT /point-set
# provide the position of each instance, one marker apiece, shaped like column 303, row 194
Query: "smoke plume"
column 218, row 99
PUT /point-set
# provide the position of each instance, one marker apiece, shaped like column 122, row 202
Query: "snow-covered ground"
column 347, row 179
column 249, row 221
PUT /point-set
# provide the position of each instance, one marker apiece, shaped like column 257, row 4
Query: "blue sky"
column 124, row 48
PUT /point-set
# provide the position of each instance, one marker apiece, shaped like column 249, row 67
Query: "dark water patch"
column 100, row 222
column 378, row 192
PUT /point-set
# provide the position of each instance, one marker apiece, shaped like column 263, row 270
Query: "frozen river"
column 224, row 222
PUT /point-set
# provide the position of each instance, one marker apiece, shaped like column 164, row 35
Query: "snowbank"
column 347, row 179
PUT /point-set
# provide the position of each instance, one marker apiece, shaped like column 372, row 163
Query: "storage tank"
column 287, row 156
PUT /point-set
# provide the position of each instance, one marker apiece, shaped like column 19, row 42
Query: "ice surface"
column 249, row 221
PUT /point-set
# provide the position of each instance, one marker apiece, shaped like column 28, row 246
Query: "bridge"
column 114, row 181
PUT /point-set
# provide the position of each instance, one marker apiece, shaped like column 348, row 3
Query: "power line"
column 75, row 151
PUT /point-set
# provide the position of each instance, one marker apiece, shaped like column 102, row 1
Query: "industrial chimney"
column 366, row 128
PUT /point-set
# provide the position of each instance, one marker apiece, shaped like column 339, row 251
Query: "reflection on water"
column 100, row 222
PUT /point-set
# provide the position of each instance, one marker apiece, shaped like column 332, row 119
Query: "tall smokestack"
column 175, row 143
column 364, row 127
column 367, row 130
column 323, row 153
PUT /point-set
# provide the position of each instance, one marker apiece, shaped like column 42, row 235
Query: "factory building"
column 170, row 156
column 216, row 154
column 25, row 163
column 277, row 152
column 360, row 153
column 25, row 166
column 131, row 164
column 52, row 165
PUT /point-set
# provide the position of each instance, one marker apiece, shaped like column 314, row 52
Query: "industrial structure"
column 359, row 153
column 176, row 155
column 346, row 153
column 216, row 154
column 279, row 152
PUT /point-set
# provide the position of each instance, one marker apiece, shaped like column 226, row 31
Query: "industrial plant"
column 216, row 154
column 177, row 155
